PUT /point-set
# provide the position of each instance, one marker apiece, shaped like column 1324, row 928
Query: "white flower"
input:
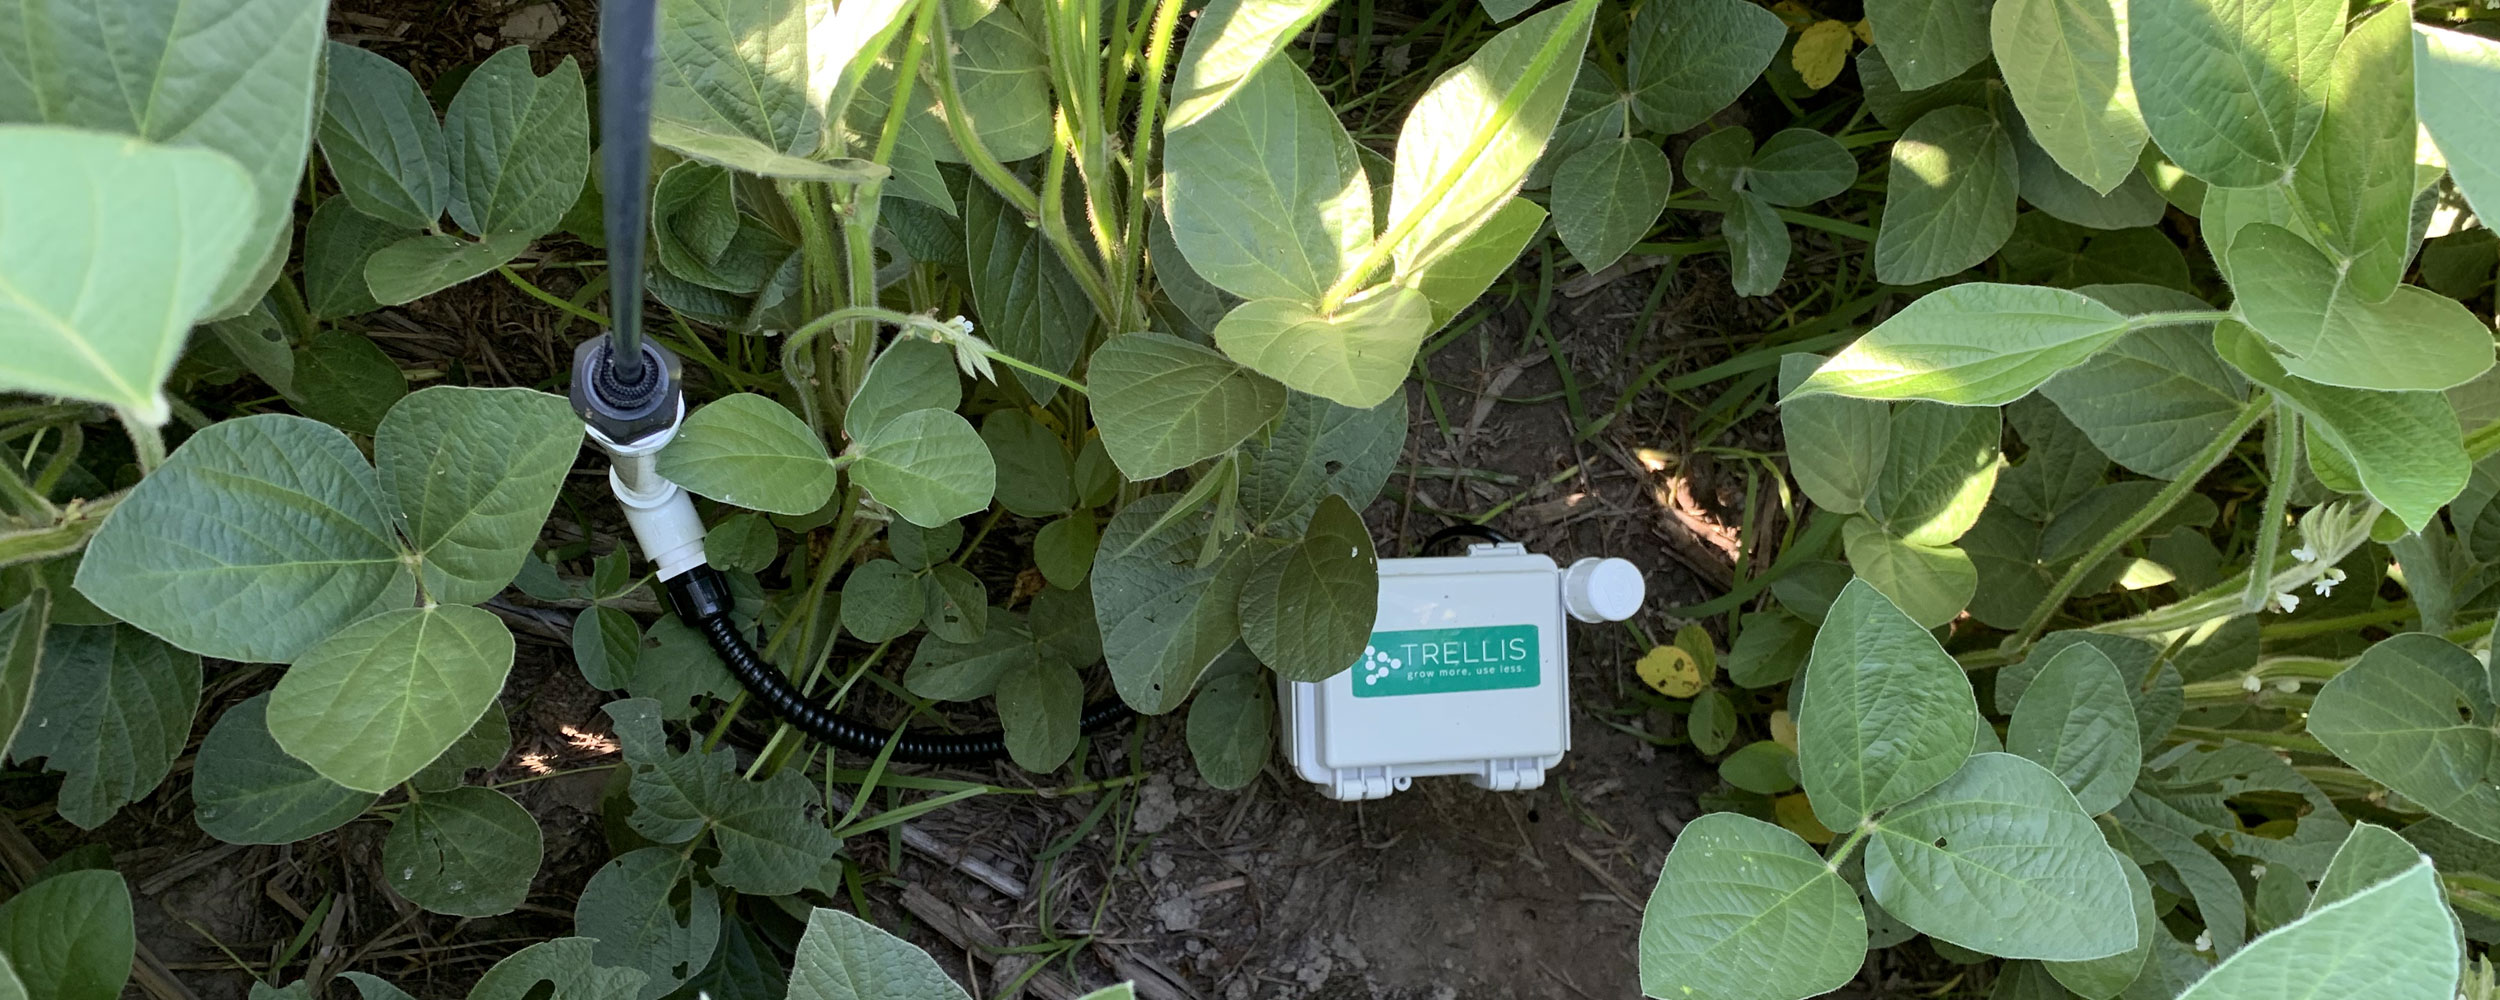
column 2205, row 941
column 2288, row 685
column 2256, row 871
column 2286, row 603
column 2251, row 684
column 2305, row 554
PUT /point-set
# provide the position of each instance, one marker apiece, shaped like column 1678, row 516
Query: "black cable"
column 1457, row 531
column 702, row 600
column 629, row 49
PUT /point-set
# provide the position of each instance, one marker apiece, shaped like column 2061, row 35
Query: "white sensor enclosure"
column 1467, row 673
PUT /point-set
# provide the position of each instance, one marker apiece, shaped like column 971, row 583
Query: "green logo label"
column 1442, row 660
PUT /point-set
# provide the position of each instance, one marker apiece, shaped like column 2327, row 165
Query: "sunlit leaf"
column 468, row 852
column 1949, row 203
column 1977, row 344
column 2392, row 940
column 1930, row 583
column 2462, row 73
column 1264, row 191
column 1744, row 910
column 1358, row 356
column 1164, row 403
column 1999, row 859
column 2304, row 305
column 2355, row 183
column 2407, row 448
column 930, row 466
column 748, row 451
column 374, row 703
column 2065, row 63
column 2232, row 90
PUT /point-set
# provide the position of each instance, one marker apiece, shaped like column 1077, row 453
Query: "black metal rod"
column 629, row 53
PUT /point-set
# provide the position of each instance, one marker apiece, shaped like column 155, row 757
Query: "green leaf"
column 193, row 537
column 1602, row 197
column 1230, row 43
column 2075, row 719
column 1939, row 466
column 1231, row 727
column 1836, row 445
column 1744, row 910
column 1598, row 109
column 2059, row 466
column 71, row 936
column 1164, row 403
column 694, row 216
column 1977, row 344
column 954, row 604
column 519, row 145
column 424, row 264
column 1039, row 706
column 634, row 910
column 21, row 657
column 245, row 790
column 483, row 746
column 1798, row 166
column 1949, row 203
column 1769, row 649
column 474, row 473
column 1459, row 277
column 468, row 852
column 606, row 643
column 1468, row 144
column 2370, row 855
column 377, row 701
column 2047, row 186
column 1307, row 606
column 842, row 957
column 1005, row 84
column 373, row 988
column 2052, row 251
column 748, row 451
column 1927, row 42
column 234, row 76
column 1761, row 767
column 2232, row 90
column 746, row 155
column 2065, row 63
column 2103, row 978
column 770, row 842
column 2153, row 398
column 1064, row 550
column 111, row 709
column 560, row 969
column 2304, row 305
column 1358, row 357
column 339, row 243
column 381, row 140
column 1320, row 448
column 1757, row 243
column 2355, row 183
column 928, row 465
column 2415, row 714
column 2392, row 940
column 1999, row 859
column 2408, row 450
column 2462, row 72
column 179, row 216
column 1029, row 305
column 736, row 75
column 880, row 601
column 741, row 542
column 1033, row 466
column 342, row 378
column 1688, row 60
column 1712, row 722
column 1885, row 713
column 1930, row 583
column 1165, row 617
column 910, row 374
column 1264, row 191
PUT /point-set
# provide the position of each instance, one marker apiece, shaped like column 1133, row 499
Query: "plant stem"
column 1504, row 112
column 2286, row 443
column 2169, row 497
column 969, row 142
column 2286, row 631
column 1025, row 366
column 2142, row 321
column 1129, row 270
column 550, row 298
column 146, row 440
column 1840, row 854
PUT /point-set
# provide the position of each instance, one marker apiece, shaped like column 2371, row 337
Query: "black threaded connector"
column 625, row 411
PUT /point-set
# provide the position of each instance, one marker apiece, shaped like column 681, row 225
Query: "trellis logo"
column 1443, row 660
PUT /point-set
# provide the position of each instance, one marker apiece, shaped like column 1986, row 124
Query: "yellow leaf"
column 1784, row 729
column 1798, row 816
column 1865, row 30
column 1671, row 671
column 1795, row 14
column 1820, row 53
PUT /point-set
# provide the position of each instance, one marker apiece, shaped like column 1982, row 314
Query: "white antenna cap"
column 1602, row 590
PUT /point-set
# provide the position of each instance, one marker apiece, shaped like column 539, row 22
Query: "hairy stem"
column 2169, row 497
column 2279, row 473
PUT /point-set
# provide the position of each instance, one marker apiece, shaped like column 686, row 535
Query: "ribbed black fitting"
column 625, row 411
